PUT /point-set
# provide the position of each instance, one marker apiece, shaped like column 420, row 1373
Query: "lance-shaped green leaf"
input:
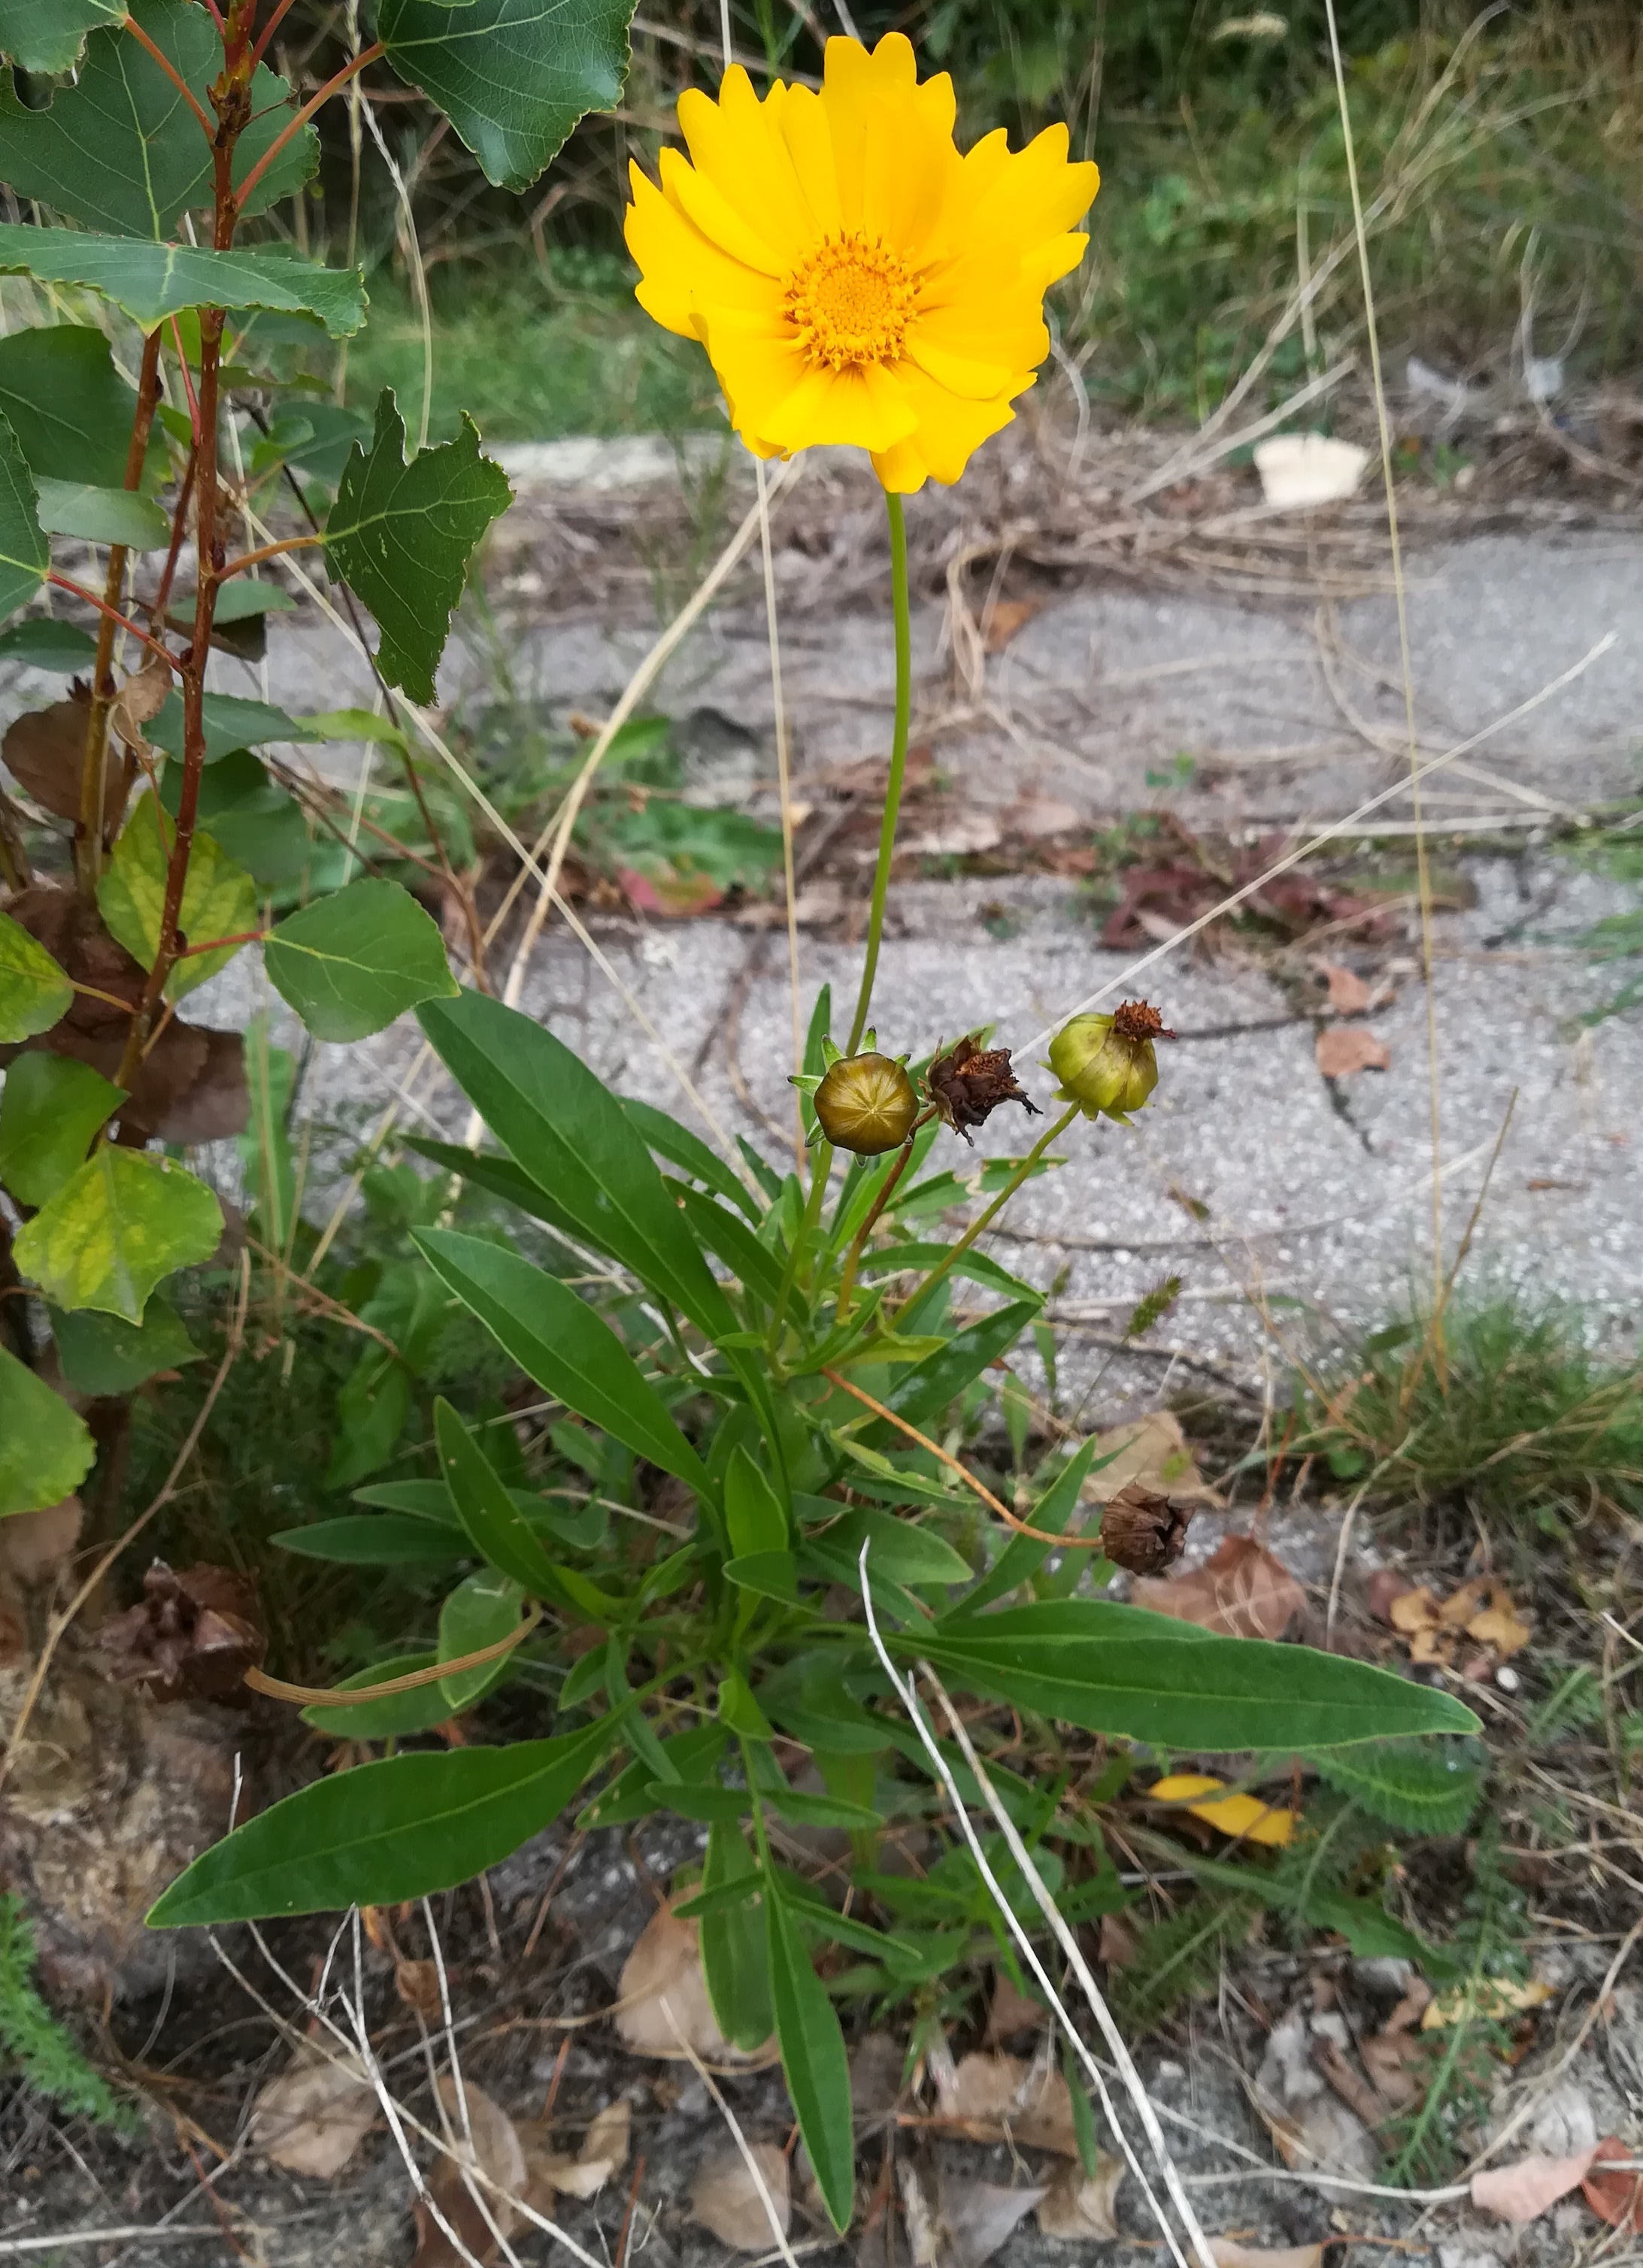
column 34, row 993
column 47, row 35
column 512, row 76
column 69, row 406
column 401, row 535
column 1142, row 1676
column 493, row 1520
column 151, row 281
column 46, row 1450
column 120, row 148
column 127, row 1219
column 25, row 554
column 350, row 963
column 480, row 1612
column 50, row 1107
column 218, row 898
column 402, row 1828
column 814, row 2060
column 560, row 1341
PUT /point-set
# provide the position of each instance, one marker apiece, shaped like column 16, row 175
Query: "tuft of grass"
column 1511, row 1414
column 44, row 2052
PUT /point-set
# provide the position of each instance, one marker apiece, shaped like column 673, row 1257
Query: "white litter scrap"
column 1299, row 470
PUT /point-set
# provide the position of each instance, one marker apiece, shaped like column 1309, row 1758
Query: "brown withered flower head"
column 967, row 1084
column 193, row 1632
column 1143, row 1533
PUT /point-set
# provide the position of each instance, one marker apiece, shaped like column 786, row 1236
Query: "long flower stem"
column 852, row 1258
column 898, row 763
column 989, row 1213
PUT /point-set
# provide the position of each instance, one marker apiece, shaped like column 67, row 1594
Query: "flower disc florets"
column 1106, row 1064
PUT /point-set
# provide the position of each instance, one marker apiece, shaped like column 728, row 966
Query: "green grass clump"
column 46, row 2054
column 1505, row 1412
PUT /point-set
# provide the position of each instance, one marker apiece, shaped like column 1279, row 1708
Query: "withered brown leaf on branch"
column 967, row 1084
column 44, row 751
column 196, row 1632
column 1143, row 1532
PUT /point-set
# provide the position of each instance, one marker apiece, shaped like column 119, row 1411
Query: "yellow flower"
column 853, row 278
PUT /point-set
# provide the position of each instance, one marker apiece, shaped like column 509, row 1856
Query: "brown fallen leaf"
column 1613, row 2186
column 1522, row 2193
column 486, row 2140
column 1230, row 2253
column 1153, row 1453
column 314, row 2115
column 1119, row 1943
column 604, row 2152
column 1009, row 2013
column 748, row 2214
column 1003, row 619
column 45, row 753
column 1486, row 1996
column 1398, row 2064
column 1041, row 818
column 1349, row 995
column 1078, row 2206
column 1343, row 1049
column 1498, row 1625
column 973, row 2219
column 663, row 2008
column 31, row 1543
column 994, row 2098
column 140, row 699
column 1242, row 1591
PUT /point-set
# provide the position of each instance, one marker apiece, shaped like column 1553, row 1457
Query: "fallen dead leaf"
column 1613, row 2187
column 1343, row 1049
column 1079, row 2206
column 417, row 1985
column 1152, row 1452
column 1242, row 1591
column 1119, row 1943
column 1349, row 995
column 1228, row 2253
column 973, row 2219
column 1314, row 2132
column 140, row 699
column 955, row 831
column 1299, row 470
column 1041, row 818
column 45, row 753
column 663, row 2008
column 1009, row 2012
column 727, row 2201
column 1397, row 2064
column 1486, row 1996
column 483, row 2218
column 314, row 2115
column 31, row 1543
column 1413, row 1611
column 1523, row 2192
column 1246, row 1816
column 604, row 2152
column 1003, row 619
column 992, row 2098
column 1499, row 1626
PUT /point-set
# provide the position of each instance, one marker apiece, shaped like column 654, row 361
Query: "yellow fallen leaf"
column 1413, row 1611
column 1485, row 1996
column 1243, row 1815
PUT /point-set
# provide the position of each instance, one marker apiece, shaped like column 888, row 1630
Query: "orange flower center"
column 850, row 301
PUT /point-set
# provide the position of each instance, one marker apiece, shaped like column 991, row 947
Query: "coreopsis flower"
column 1106, row 1064
column 853, row 278
column 864, row 1102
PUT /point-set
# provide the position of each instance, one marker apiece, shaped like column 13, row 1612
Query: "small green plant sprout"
column 43, row 2052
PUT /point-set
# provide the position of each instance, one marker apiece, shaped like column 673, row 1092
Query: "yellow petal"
column 699, row 199
column 733, row 145
column 810, row 145
column 1246, row 1816
column 851, row 409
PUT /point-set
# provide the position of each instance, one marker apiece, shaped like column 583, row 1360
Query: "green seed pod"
column 1106, row 1064
column 866, row 1103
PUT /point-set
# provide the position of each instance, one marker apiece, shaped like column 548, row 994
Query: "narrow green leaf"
column 218, row 898
column 101, row 515
column 752, row 1511
column 50, row 1107
column 512, row 76
column 934, row 1385
column 124, row 1220
column 119, row 147
column 822, row 1810
column 560, row 1341
column 480, row 1612
column 397, row 1717
column 105, row 1354
column 46, row 1450
column 377, row 1539
column 683, row 1148
column 735, row 1951
column 490, row 1169
column 1023, row 1555
column 398, row 1829
column 770, row 1574
column 738, row 1709
column 494, row 1523
column 906, row 1554
column 571, row 1135
column 1123, row 1671
column 422, row 1499
column 69, row 406
column 1426, row 1791
column 814, row 2060
column 48, row 35
column 401, row 536
column 44, row 642
column 728, row 1238
column 151, row 281
column 25, row 554
column 350, row 964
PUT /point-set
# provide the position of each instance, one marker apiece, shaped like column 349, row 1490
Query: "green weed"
column 46, row 2055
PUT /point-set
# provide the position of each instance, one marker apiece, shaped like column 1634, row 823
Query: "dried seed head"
column 1106, row 1064
column 193, row 1632
column 967, row 1084
column 1143, row 1533
column 864, row 1103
